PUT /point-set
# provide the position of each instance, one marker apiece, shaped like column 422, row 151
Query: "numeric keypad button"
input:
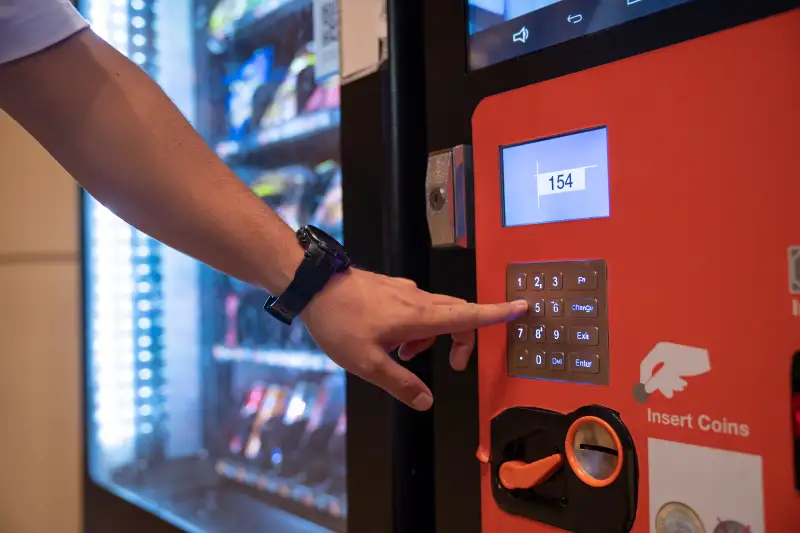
column 557, row 334
column 536, row 307
column 555, row 307
column 537, row 281
column 555, row 281
column 521, row 282
column 522, row 358
column 521, row 333
column 538, row 334
column 539, row 360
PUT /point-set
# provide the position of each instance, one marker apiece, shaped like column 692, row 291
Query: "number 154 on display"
column 568, row 180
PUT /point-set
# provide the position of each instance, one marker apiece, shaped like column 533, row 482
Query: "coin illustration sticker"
column 677, row 517
column 731, row 526
column 698, row 489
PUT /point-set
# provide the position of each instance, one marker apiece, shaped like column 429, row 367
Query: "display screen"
column 504, row 29
column 556, row 179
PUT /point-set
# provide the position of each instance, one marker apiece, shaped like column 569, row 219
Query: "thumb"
column 401, row 383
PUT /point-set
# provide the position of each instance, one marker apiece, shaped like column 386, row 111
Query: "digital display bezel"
column 453, row 90
column 538, row 140
column 550, row 25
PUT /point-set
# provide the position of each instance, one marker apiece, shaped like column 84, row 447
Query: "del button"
column 556, row 361
column 584, row 363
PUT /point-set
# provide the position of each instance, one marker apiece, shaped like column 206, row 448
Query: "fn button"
column 583, row 280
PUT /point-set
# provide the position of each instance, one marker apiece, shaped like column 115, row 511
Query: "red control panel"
column 679, row 367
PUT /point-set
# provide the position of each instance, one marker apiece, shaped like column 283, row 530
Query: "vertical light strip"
column 111, row 291
column 112, row 348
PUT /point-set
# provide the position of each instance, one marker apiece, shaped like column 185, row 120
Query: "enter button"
column 586, row 335
column 585, row 363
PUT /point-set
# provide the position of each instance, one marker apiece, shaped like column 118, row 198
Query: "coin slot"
column 601, row 449
column 594, row 451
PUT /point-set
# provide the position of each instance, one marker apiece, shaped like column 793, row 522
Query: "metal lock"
column 446, row 196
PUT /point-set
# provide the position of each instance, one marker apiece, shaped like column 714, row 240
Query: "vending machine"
column 203, row 414
column 628, row 167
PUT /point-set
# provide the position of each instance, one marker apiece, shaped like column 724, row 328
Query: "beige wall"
column 40, row 451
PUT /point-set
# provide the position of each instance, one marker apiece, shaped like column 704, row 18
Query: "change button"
column 582, row 307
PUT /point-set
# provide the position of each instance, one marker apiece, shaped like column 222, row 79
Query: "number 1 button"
column 522, row 282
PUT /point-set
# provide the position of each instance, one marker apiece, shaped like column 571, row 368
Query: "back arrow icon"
column 575, row 18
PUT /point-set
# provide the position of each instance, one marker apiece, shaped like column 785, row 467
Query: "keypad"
column 564, row 335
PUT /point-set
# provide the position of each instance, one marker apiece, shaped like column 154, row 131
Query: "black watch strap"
column 314, row 272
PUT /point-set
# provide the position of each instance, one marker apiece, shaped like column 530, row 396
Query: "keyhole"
column 437, row 199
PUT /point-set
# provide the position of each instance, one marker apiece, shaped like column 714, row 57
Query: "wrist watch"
column 323, row 258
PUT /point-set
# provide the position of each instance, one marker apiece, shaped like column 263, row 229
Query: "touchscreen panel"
column 556, row 179
column 503, row 29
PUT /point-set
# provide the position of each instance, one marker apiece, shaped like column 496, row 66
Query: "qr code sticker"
column 329, row 17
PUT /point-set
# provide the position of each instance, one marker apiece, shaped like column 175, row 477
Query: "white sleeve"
column 30, row 26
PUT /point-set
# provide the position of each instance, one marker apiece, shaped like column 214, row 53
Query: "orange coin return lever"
column 575, row 471
column 521, row 475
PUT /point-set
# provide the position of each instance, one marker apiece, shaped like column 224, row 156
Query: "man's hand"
column 361, row 316
column 119, row 135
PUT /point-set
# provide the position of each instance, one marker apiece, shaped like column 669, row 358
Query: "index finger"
column 443, row 319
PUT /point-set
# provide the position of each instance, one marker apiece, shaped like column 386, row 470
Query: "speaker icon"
column 521, row 36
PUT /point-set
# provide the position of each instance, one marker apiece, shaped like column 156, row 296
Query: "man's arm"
column 113, row 129
column 118, row 134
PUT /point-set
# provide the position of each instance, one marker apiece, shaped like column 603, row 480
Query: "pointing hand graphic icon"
column 665, row 367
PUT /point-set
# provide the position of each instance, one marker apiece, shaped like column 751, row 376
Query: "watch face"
column 324, row 241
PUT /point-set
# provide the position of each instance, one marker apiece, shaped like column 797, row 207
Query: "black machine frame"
column 452, row 93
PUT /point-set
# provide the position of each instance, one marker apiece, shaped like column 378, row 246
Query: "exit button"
column 584, row 363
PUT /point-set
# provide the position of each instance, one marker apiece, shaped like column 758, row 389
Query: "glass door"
column 203, row 410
